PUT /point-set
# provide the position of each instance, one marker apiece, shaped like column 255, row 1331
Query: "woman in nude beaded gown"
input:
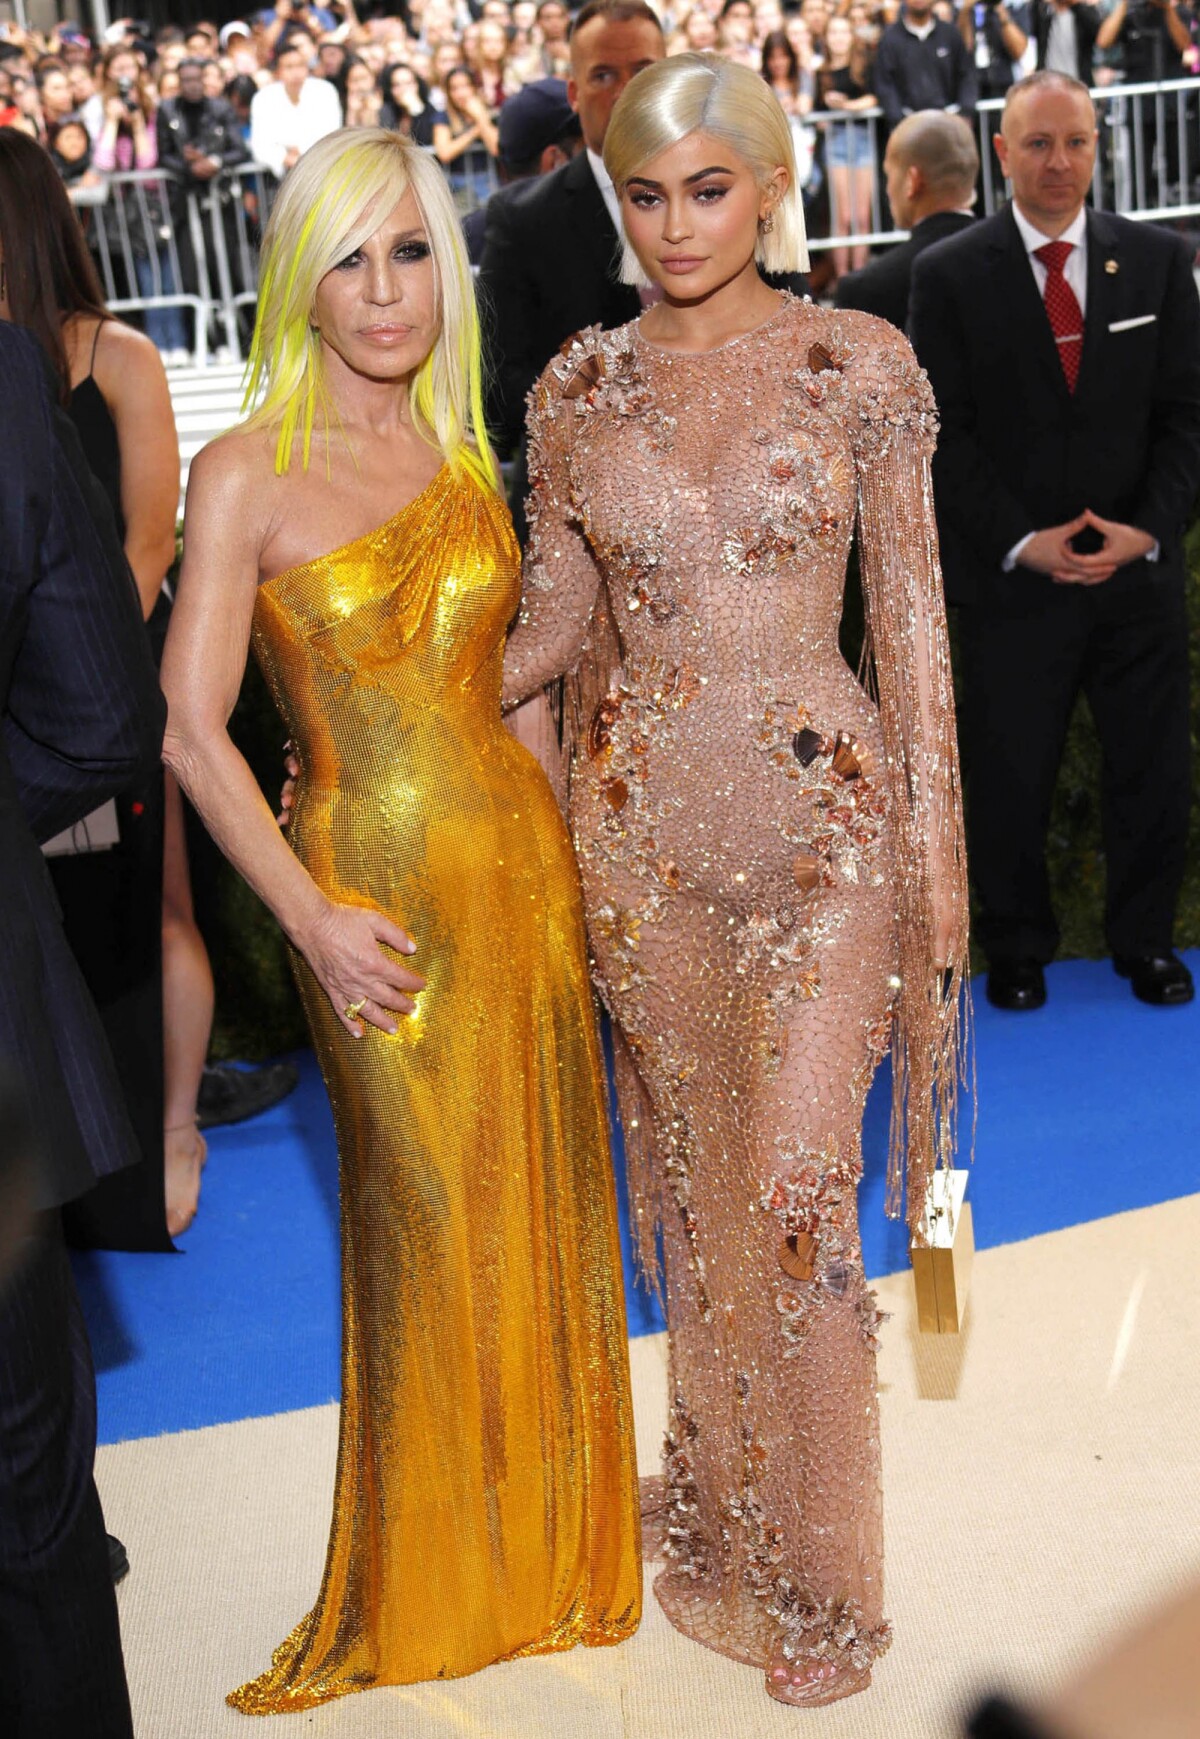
column 772, row 864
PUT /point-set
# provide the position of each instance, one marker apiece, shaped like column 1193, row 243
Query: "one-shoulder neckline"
column 786, row 301
column 364, row 537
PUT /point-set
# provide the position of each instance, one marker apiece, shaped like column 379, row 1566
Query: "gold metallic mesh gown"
column 758, row 844
column 486, row 1500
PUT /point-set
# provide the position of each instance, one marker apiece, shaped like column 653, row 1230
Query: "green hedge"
column 258, row 1014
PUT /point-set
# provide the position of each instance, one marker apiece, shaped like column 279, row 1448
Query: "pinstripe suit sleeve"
column 84, row 716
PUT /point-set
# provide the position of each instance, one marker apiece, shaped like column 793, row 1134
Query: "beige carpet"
column 1041, row 1475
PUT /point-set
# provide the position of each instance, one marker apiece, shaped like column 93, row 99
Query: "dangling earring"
column 766, row 224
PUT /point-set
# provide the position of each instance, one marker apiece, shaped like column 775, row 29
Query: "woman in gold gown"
column 485, row 1503
column 772, row 863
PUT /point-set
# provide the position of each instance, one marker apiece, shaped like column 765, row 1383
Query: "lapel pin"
column 1111, row 267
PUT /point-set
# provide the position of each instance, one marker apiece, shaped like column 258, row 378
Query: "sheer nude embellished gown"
column 759, row 845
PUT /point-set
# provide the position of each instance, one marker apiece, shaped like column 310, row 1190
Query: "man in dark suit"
column 929, row 167
column 81, row 718
column 550, row 251
column 1063, row 346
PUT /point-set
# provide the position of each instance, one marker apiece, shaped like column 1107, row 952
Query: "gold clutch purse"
column 941, row 1260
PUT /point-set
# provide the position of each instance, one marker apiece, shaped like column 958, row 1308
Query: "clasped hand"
column 346, row 948
column 1050, row 552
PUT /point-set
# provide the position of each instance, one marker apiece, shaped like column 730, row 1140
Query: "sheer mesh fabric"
column 760, row 848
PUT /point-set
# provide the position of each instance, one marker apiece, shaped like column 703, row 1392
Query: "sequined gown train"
column 485, row 1502
column 757, row 843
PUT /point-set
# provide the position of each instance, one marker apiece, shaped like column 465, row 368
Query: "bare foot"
column 811, row 1682
column 184, row 1153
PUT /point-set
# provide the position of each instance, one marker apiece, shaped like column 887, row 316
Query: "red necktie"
column 1062, row 305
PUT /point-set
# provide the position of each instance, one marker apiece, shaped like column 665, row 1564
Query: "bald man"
column 1063, row 347
column 930, row 168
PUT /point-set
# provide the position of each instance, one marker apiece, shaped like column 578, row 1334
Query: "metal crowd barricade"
column 159, row 246
column 1147, row 166
column 134, row 237
column 236, row 208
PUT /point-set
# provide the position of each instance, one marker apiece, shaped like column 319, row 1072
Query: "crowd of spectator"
column 195, row 101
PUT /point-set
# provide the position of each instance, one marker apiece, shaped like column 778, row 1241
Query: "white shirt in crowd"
column 277, row 124
column 1062, row 52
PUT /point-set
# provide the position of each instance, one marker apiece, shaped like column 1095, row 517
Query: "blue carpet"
column 1086, row 1108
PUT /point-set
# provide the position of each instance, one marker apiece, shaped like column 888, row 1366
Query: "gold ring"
column 352, row 1010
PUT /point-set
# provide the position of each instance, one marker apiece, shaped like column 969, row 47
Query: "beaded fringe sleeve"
column 907, row 658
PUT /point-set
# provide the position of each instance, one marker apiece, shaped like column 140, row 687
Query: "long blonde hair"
column 700, row 93
column 337, row 196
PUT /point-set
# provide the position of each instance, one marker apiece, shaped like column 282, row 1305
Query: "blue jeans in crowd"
column 165, row 327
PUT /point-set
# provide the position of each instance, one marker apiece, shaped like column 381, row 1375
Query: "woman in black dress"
column 127, row 906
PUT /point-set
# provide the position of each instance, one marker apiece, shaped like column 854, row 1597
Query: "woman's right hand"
column 287, row 795
column 351, row 951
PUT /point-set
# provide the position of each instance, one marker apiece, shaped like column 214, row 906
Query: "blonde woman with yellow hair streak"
column 351, row 530
column 772, row 860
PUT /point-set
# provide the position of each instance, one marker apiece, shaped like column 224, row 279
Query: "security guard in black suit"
column 1063, row 346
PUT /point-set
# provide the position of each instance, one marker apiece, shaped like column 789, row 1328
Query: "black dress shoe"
column 1160, row 979
column 229, row 1095
column 118, row 1559
column 1016, row 984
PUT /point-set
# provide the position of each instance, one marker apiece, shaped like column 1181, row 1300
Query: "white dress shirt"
column 608, row 192
column 1075, row 273
column 1075, row 270
column 277, row 124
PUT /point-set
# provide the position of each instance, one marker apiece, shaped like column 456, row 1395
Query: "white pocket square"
column 1128, row 325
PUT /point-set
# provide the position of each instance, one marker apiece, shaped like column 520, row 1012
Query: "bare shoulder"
column 127, row 365
column 232, row 488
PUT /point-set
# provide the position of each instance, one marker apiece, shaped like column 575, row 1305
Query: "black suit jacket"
column 881, row 287
column 81, row 718
column 1018, row 451
column 550, row 260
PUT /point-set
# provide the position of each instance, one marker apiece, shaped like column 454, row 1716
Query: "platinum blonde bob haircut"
column 698, row 93
column 335, row 198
